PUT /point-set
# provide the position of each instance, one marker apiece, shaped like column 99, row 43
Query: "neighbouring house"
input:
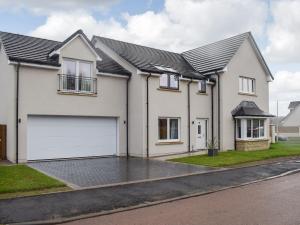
column 289, row 126
column 82, row 98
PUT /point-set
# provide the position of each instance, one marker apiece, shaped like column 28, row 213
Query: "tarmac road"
column 272, row 202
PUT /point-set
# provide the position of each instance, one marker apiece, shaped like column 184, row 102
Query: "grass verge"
column 21, row 178
column 230, row 158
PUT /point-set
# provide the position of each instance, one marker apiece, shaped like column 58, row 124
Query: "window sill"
column 168, row 89
column 201, row 93
column 252, row 139
column 248, row 94
column 77, row 93
column 169, row 143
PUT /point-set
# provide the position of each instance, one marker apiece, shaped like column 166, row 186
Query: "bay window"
column 168, row 129
column 250, row 128
column 169, row 81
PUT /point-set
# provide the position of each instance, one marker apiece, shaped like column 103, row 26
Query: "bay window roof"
column 249, row 108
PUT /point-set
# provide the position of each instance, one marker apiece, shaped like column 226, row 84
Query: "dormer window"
column 169, row 81
column 202, row 86
column 77, row 77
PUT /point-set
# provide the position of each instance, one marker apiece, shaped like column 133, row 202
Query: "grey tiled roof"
column 249, row 108
column 294, row 104
column 146, row 58
column 214, row 56
column 108, row 65
column 28, row 49
column 36, row 50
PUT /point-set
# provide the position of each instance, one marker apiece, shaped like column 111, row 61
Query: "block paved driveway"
column 83, row 173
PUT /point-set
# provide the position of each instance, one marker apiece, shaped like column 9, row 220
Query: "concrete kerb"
column 143, row 205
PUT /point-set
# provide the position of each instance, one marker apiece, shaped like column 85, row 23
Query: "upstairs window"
column 246, row 85
column 202, row 86
column 170, row 81
column 77, row 77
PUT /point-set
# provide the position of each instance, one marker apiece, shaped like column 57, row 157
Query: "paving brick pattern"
column 103, row 171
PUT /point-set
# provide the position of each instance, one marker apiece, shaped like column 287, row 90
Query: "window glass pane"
column 240, row 84
column 202, row 86
column 173, row 81
column 249, row 129
column 69, row 67
column 163, row 82
column 245, row 85
column 199, row 128
column 255, row 128
column 261, row 128
column 84, row 82
column 173, row 128
column 163, row 132
column 253, row 85
column 250, row 85
column 85, row 69
column 69, row 71
column 239, row 129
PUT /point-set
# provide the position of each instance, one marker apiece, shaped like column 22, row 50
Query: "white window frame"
column 244, row 129
column 77, row 75
column 168, row 86
column 168, row 129
column 245, row 83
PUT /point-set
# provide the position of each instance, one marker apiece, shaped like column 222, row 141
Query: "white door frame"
column 204, row 131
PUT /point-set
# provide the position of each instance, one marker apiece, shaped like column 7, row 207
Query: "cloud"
column 46, row 7
column 284, row 88
column 284, row 32
column 196, row 23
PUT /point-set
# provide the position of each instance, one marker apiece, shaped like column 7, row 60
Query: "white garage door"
column 51, row 137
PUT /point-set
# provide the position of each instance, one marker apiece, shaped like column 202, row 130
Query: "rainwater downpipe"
column 212, row 110
column 147, row 109
column 189, row 116
column 17, row 111
column 127, row 117
column 219, row 115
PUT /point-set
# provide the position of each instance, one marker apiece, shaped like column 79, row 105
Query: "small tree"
column 212, row 146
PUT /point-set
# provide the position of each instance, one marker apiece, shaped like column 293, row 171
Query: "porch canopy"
column 249, row 109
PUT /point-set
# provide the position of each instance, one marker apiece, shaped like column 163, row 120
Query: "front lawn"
column 281, row 149
column 21, row 178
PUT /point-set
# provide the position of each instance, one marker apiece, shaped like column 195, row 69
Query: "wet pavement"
column 75, row 203
column 81, row 173
column 272, row 202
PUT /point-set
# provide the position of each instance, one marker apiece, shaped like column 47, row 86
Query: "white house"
column 82, row 98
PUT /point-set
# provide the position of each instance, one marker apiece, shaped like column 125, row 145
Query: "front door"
column 2, row 142
column 201, row 134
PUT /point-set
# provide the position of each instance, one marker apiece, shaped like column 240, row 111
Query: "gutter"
column 17, row 111
column 189, row 116
column 147, row 103
column 52, row 67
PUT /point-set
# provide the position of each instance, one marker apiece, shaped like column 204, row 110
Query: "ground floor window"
column 168, row 128
column 250, row 128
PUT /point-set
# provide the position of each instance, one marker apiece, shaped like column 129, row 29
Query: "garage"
column 53, row 137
